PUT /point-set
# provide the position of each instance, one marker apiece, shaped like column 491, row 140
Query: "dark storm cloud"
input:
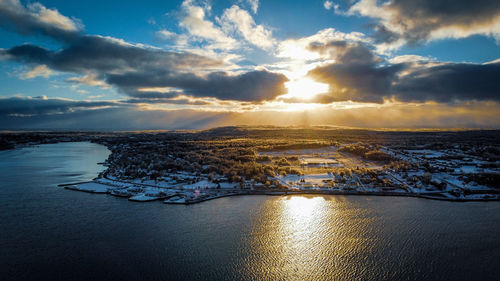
column 359, row 75
column 416, row 20
column 18, row 106
column 35, row 19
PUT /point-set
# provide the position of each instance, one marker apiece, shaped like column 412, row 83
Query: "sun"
column 304, row 88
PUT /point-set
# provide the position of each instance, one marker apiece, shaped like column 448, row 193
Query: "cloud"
column 390, row 115
column 407, row 115
column 249, row 86
column 152, row 94
column 178, row 101
column 416, row 22
column 106, row 54
column 328, row 5
column 165, row 34
column 104, row 60
column 359, row 75
column 335, row 7
column 30, row 106
column 177, row 41
column 152, row 78
column 319, row 98
column 254, row 5
column 222, row 35
column 194, row 22
column 40, row 113
column 361, row 82
column 89, row 79
column 410, row 59
column 299, row 48
column 345, row 52
column 239, row 20
column 449, row 82
column 36, row 19
column 37, row 71
column 355, row 74
column 123, row 117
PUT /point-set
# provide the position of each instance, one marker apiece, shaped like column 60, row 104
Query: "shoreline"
column 270, row 192
column 459, row 176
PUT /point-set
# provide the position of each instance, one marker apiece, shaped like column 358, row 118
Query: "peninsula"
column 185, row 167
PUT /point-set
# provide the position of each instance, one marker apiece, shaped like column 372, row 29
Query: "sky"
column 142, row 65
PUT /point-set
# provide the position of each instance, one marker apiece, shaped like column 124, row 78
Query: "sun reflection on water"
column 308, row 238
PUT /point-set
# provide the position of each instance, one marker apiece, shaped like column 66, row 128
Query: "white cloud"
column 195, row 23
column 162, row 90
column 328, row 5
column 35, row 18
column 254, row 5
column 81, row 91
column 491, row 29
column 181, row 41
column 89, row 79
column 299, row 48
column 53, row 17
column 300, row 58
column 410, row 59
column 237, row 19
column 219, row 39
column 165, row 34
column 370, row 8
column 493, row 61
column 38, row 71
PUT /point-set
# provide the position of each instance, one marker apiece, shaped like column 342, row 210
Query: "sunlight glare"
column 305, row 88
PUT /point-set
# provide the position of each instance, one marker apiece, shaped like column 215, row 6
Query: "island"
column 186, row 167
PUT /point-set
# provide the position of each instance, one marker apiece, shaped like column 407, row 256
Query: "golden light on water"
column 302, row 238
column 302, row 213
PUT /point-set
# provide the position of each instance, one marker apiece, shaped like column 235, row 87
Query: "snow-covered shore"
column 203, row 191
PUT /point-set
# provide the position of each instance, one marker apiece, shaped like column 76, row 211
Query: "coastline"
column 190, row 174
column 269, row 192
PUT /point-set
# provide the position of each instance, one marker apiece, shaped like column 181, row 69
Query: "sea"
column 50, row 233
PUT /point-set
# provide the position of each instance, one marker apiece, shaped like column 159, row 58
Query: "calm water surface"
column 49, row 233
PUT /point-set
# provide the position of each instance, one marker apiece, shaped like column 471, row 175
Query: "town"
column 185, row 167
